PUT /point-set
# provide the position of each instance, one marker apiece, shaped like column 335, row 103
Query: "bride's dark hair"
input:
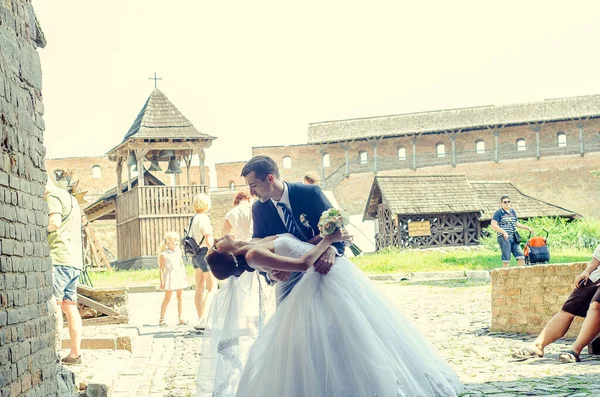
column 225, row 264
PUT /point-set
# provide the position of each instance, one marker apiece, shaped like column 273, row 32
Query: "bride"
column 335, row 335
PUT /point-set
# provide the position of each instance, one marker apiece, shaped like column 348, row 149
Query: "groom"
column 286, row 208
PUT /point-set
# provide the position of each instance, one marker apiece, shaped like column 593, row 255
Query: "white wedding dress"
column 333, row 336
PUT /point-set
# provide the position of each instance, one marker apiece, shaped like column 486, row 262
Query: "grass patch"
column 384, row 262
column 455, row 283
column 410, row 260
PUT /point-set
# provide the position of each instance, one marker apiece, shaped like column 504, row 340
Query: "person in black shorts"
column 584, row 301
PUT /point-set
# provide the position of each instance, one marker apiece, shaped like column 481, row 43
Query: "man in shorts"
column 64, row 239
column 584, row 301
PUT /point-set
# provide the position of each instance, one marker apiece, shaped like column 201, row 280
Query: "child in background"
column 172, row 274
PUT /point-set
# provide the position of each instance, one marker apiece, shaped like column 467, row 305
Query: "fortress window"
column 562, row 139
column 287, row 162
column 326, row 161
column 362, row 157
column 480, row 146
column 96, row 172
column 231, row 185
column 440, row 150
column 401, row 153
column 521, row 145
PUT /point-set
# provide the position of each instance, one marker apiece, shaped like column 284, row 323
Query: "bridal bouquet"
column 333, row 219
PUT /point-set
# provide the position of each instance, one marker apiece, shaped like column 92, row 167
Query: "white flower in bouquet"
column 331, row 220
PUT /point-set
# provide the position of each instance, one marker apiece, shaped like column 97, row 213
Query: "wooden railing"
column 146, row 213
column 167, row 200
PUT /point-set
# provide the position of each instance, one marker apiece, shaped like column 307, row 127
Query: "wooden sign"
column 422, row 228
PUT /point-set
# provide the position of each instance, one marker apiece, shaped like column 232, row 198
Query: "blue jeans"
column 509, row 246
column 64, row 283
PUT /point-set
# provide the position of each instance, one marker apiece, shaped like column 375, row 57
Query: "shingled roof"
column 454, row 119
column 489, row 193
column 422, row 195
column 159, row 118
column 160, row 121
column 406, row 195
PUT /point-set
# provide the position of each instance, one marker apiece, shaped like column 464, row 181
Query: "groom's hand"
column 325, row 261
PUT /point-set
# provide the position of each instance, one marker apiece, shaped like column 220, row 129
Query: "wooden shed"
column 423, row 211
column 160, row 134
column 426, row 211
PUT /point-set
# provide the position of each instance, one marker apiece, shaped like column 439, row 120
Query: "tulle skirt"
column 335, row 336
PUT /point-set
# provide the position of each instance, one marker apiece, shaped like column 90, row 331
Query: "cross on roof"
column 155, row 78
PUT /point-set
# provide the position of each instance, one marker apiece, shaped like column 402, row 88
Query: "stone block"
column 25, row 382
column 7, row 247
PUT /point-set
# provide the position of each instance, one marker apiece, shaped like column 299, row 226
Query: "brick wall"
column 27, row 325
column 561, row 176
column 525, row 298
column 230, row 172
column 303, row 158
column 221, row 203
column 565, row 180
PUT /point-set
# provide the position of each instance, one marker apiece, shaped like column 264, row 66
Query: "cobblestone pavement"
column 454, row 315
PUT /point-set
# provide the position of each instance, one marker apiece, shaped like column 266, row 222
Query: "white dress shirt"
column 285, row 198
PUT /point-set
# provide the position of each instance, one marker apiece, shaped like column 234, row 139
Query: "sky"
column 257, row 73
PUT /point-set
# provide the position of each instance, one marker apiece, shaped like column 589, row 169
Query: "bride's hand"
column 335, row 237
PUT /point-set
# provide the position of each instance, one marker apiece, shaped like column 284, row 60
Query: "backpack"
column 192, row 249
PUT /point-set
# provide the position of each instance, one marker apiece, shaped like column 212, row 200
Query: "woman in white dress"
column 335, row 335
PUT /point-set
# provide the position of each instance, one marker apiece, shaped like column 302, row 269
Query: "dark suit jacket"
column 307, row 200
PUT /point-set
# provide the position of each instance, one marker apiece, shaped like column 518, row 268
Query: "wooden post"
column 322, row 152
column 140, row 155
column 178, row 176
column 346, row 146
column 413, row 139
column 188, row 164
column 140, row 167
column 496, row 132
column 580, row 123
column 119, row 175
column 537, row 127
column 201, row 156
column 375, row 143
column 453, row 135
column 128, row 176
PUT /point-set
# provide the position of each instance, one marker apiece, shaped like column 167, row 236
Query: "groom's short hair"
column 262, row 166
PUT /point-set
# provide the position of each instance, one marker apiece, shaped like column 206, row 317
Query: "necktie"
column 290, row 223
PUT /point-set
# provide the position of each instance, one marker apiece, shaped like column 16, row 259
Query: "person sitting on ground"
column 584, row 301
column 311, row 178
column 172, row 275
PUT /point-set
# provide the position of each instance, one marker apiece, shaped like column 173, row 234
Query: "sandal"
column 161, row 323
column 569, row 356
column 525, row 354
column 182, row 322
